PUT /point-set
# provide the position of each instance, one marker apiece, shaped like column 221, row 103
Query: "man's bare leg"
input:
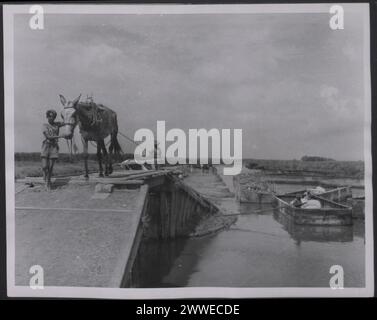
column 45, row 169
column 50, row 168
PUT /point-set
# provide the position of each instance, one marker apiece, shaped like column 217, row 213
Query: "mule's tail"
column 114, row 145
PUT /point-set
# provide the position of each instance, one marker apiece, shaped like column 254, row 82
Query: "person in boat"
column 305, row 197
column 252, row 187
column 296, row 202
column 50, row 147
column 311, row 203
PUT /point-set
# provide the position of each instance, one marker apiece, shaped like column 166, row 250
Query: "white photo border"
column 190, row 292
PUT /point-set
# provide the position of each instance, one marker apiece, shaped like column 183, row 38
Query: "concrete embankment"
column 87, row 233
column 76, row 239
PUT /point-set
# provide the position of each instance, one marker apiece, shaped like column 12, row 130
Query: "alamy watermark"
column 36, row 21
column 337, row 280
column 37, row 278
column 184, row 150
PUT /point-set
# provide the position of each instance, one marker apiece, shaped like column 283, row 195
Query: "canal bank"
column 88, row 232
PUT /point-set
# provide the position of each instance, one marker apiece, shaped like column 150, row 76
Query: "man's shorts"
column 49, row 151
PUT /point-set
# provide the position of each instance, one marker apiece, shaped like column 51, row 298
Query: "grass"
column 336, row 169
column 34, row 168
column 29, row 164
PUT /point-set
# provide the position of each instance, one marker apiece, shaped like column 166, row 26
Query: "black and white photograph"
column 188, row 151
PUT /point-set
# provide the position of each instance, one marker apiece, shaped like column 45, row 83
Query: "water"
column 262, row 249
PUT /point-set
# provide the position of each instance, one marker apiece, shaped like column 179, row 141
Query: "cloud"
column 350, row 52
column 328, row 92
column 334, row 101
column 261, row 73
column 95, row 58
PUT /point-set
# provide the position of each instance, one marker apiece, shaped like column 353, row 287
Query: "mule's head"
column 69, row 116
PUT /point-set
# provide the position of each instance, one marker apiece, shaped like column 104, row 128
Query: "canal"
column 262, row 249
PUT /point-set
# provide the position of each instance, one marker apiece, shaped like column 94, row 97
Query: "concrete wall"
column 173, row 211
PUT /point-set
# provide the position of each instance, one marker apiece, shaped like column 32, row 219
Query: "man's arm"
column 59, row 124
column 49, row 137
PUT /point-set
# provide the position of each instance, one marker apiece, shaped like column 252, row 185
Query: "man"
column 50, row 147
column 156, row 154
column 296, row 202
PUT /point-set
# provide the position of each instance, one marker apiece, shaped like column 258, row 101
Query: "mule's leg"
column 86, row 155
column 71, row 151
column 111, row 152
column 106, row 157
column 99, row 158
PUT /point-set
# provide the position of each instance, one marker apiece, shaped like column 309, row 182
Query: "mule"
column 96, row 122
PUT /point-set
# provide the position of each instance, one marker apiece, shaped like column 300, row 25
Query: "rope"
column 129, row 139
column 108, row 142
column 260, row 232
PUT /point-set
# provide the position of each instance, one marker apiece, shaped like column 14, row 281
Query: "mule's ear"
column 76, row 101
column 62, row 100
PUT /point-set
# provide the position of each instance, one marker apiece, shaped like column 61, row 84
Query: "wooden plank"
column 153, row 213
column 180, row 198
column 185, row 200
column 38, row 180
column 168, row 215
column 116, row 181
column 187, row 211
column 165, row 216
column 21, row 188
column 174, row 210
column 125, row 173
column 193, row 193
column 122, row 182
column 173, row 219
column 151, row 173
column 155, row 181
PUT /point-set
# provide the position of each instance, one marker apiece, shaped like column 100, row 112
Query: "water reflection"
column 154, row 261
column 263, row 249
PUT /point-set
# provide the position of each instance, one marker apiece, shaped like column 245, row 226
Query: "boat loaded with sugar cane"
column 317, row 233
column 330, row 213
column 336, row 194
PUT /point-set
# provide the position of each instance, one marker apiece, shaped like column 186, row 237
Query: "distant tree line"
column 330, row 168
column 315, row 158
column 63, row 157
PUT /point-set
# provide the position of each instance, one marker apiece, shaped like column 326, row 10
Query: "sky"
column 293, row 85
